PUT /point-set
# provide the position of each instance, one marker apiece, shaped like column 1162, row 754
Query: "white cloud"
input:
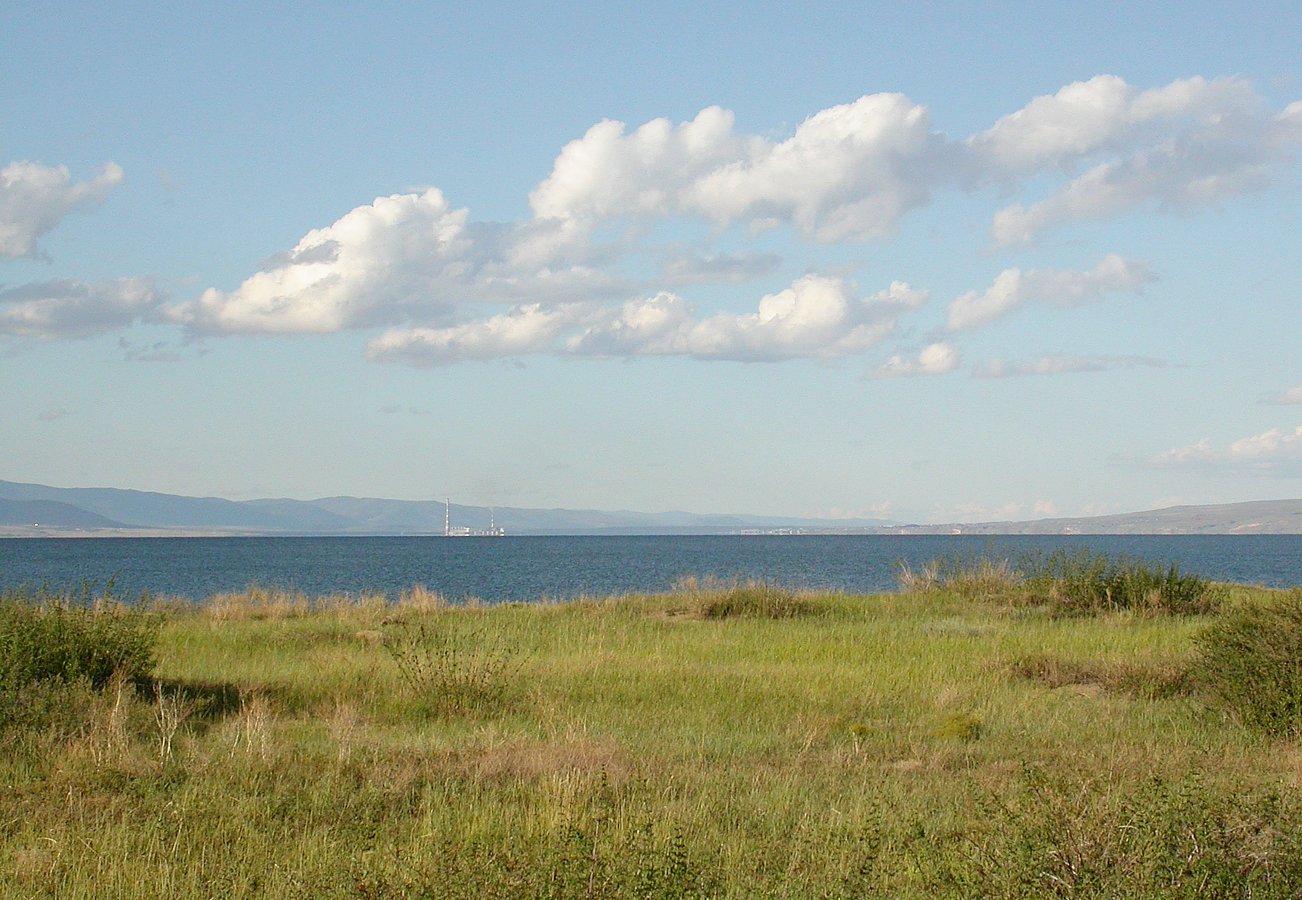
column 73, row 309
column 1180, row 147
column 1061, row 365
column 1103, row 114
column 1291, row 396
column 415, row 264
column 1013, row 288
column 1277, row 451
column 816, row 317
column 35, row 198
column 975, row 512
column 608, row 172
column 849, row 171
column 934, row 359
column 523, row 330
column 400, row 257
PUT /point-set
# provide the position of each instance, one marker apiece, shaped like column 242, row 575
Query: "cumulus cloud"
column 35, row 198
column 1061, row 365
column 849, row 171
column 1013, row 288
column 1180, row 147
column 934, row 359
column 74, row 309
column 816, row 317
column 1274, row 452
column 562, row 280
column 399, row 257
column 523, row 330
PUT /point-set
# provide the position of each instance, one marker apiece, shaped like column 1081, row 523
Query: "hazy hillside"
column 1253, row 517
column 112, row 508
column 114, row 511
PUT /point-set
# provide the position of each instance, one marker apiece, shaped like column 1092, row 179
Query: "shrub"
column 44, row 637
column 1251, row 661
column 1068, row 836
column 1079, row 583
column 1084, row 583
column 451, row 672
column 754, row 599
column 49, row 642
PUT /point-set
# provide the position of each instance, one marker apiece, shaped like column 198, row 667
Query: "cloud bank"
column 816, row 317
column 602, row 265
column 1274, row 452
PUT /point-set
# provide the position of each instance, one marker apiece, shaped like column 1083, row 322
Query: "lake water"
column 529, row 568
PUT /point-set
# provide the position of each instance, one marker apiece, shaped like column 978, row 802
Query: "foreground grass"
column 712, row 742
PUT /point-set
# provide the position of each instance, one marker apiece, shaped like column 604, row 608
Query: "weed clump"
column 1069, row 584
column 1148, row 680
column 46, row 637
column 451, row 672
column 50, row 644
column 1085, row 583
column 1251, row 661
column 978, row 578
column 753, row 600
column 1063, row 836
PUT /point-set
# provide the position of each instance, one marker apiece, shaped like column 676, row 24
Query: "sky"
column 921, row 262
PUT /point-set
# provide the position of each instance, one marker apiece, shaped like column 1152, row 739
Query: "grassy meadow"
column 979, row 733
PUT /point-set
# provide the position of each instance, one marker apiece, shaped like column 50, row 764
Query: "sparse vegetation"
column 1068, row 583
column 712, row 599
column 724, row 740
column 1251, row 661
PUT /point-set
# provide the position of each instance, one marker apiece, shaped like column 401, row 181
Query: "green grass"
column 723, row 740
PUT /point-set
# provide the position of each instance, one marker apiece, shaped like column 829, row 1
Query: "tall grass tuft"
column 1085, row 583
column 970, row 578
column 1068, row 583
column 713, row 599
column 450, row 671
column 1251, row 661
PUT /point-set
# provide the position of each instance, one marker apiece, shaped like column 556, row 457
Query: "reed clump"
column 716, row 599
column 1068, row 583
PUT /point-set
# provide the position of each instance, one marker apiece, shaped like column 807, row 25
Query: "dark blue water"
column 529, row 568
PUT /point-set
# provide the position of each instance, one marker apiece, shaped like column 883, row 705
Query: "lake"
column 529, row 568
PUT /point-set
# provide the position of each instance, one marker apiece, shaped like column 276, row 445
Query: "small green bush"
column 1067, row 583
column 47, row 637
column 755, row 600
column 1251, row 661
column 450, row 671
column 51, row 642
column 1085, row 583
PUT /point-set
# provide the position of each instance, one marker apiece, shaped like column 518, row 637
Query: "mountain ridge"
column 36, row 509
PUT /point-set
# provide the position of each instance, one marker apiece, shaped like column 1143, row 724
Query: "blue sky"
column 929, row 263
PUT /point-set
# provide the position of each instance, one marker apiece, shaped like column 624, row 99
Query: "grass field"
column 721, row 740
